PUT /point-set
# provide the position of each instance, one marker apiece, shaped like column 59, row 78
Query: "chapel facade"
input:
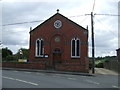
column 60, row 44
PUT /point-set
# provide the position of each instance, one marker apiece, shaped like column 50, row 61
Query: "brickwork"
column 23, row 65
column 66, row 33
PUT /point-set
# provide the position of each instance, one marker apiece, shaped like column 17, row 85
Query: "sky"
column 16, row 36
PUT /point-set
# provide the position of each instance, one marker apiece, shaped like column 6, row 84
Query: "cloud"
column 16, row 36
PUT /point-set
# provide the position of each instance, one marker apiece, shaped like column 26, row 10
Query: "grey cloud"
column 30, row 11
column 14, row 37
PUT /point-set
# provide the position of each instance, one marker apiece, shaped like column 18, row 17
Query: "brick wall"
column 61, row 67
column 23, row 65
column 74, row 66
column 68, row 31
column 71, row 67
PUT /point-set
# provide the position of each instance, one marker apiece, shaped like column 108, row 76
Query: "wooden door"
column 56, row 58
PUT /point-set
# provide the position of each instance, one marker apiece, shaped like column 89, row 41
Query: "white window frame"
column 75, row 48
column 36, row 52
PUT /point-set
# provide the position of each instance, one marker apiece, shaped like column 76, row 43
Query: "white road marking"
column 40, row 73
column 71, row 78
column 93, row 82
column 20, row 80
column 83, row 76
column 27, row 72
column 115, row 86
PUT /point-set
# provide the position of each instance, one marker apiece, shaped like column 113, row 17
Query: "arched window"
column 39, row 47
column 75, row 48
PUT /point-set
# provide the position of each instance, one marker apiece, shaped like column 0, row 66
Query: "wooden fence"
column 112, row 65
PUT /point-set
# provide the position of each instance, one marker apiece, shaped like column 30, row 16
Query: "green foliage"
column 11, row 58
column 6, row 52
column 100, row 60
column 99, row 65
column 25, row 54
column 8, row 56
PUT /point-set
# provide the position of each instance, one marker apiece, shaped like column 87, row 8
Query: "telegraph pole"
column 93, row 51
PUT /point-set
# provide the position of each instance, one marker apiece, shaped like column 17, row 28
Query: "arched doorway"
column 57, row 49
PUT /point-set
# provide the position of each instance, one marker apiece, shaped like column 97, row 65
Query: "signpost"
column 21, row 57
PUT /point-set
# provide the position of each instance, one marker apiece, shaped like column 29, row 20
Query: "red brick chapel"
column 60, row 44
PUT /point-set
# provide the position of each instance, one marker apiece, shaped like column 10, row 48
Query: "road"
column 24, row 79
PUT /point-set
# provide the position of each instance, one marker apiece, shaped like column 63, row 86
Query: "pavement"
column 97, row 71
column 50, row 71
column 105, row 71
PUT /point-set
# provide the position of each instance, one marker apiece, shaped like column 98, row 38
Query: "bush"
column 99, row 65
column 6, row 52
column 10, row 58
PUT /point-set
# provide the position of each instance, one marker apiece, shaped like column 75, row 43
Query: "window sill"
column 39, row 56
column 42, row 56
column 75, row 56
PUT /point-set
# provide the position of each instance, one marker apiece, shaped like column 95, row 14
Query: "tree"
column 6, row 52
column 25, row 53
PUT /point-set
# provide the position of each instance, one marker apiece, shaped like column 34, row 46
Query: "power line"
column 106, row 27
column 107, row 14
column 93, row 6
column 22, row 23
column 35, row 21
column 76, row 16
column 69, row 17
column 92, row 29
column 84, row 19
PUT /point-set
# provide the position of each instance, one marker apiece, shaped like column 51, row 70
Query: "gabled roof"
column 63, row 17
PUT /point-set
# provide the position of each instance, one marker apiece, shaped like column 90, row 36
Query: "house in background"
column 60, row 44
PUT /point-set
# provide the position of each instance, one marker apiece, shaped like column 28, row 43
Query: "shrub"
column 10, row 58
column 99, row 65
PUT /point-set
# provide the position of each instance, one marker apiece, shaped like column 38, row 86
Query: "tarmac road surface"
column 25, row 79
